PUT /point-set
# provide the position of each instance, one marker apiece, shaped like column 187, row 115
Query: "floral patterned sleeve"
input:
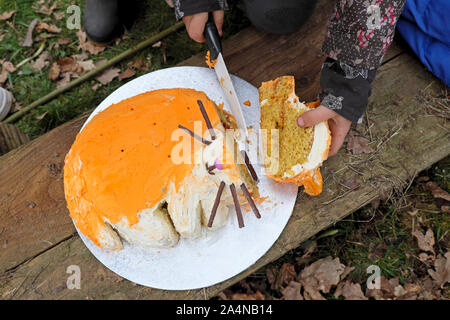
column 190, row 7
column 358, row 35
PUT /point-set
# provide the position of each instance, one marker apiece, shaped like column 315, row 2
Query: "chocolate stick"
column 250, row 200
column 210, row 169
column 249, row 166
column 216, row 204
column 237, row 206
column 205, row 116
column 194, row 135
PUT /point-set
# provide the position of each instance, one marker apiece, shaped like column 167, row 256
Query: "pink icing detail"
column 218, row 165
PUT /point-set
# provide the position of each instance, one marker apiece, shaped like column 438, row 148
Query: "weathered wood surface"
column 11, row 138
column 37, row 238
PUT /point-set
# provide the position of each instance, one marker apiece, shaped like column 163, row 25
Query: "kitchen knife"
column 215, row 50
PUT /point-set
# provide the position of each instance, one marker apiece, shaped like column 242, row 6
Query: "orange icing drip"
column 120, row 163
column 208, row 61
column 247, row 103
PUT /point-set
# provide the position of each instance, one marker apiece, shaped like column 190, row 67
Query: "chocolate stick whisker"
column 194, row 135
column 249, row 166
column 237, row 206
column 250, row 200
column 216, row 204
column 208, row 122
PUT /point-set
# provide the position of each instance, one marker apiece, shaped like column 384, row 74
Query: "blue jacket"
column 425, row 25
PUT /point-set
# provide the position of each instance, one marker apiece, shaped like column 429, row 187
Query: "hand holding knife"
column 215, row 48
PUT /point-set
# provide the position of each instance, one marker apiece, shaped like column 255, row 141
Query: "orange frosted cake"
column 149, row 171
column 291, row 153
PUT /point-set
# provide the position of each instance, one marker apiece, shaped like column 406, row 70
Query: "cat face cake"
column 153, row 168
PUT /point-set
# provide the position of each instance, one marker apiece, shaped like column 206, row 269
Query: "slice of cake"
column 291, row 153
column 153, row 168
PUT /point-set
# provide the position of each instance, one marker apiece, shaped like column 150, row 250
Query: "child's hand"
column 195, row 24
column 339, row 126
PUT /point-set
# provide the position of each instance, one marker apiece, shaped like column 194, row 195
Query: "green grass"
column 155, row 15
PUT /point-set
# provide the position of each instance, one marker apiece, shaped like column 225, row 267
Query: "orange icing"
column 208, row 61
column 247, row 103
column 120, row 163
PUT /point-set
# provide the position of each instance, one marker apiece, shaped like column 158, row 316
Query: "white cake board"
column 217, row 255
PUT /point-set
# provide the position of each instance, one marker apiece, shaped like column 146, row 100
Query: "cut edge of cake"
column 295, row 162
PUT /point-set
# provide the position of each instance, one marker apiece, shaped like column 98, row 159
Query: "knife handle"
column 212, row 37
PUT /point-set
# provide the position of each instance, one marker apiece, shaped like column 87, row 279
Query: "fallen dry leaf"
column 138, row 64
column 283, row 276
column 81, row 57
column 321, row 276
column 59, row 15
column 386, row 290
column 357, row 144
column 64, row 81
column 287, row 273
column 45, row 9
column 40, row 117
column 86, row 65
column 41, row 62
column 243, row 296
column 445, row 209
column 346, row 272
column 411, row 291
column 436, row 191
column 3, row 76
column 47, row 27
column 425, row 257
column 425, row 242
column 68, row 64
column 292, row 291
column 63, row 41
column 108, row 75
column 128, row 73
column 441, row 272
column 350, row 291
column 86, row 45
column 157, row 44
column 28, row 42
column 54, row 72
column 6, row 67
column 6, row 15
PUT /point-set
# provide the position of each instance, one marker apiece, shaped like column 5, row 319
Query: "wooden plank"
column 11, row 137
column 33, row 214
column 406, row 140
column 35, row 195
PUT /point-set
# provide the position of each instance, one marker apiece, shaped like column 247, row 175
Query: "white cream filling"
column 315, row 156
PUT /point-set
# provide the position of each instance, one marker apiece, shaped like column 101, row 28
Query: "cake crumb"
column 208, row 61
column 247, row 103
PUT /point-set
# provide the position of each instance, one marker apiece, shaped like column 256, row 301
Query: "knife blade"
column 215, row 49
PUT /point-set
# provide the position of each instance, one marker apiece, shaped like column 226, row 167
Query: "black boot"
column 105, row 19
column 278, row 16
column 101, row 20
